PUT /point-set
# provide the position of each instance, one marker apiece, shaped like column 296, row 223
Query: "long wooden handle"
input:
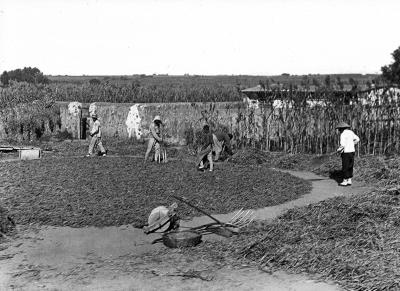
column 195, row 207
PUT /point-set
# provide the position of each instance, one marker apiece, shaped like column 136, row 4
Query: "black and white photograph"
column 151, row 145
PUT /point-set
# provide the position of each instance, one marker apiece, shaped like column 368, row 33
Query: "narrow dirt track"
column 116, row 258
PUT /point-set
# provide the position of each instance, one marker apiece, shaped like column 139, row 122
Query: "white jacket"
column 348, row 140
column 96, row 131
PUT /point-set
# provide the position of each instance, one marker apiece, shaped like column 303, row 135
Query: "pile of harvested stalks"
column 250, row 156
column 353, row 241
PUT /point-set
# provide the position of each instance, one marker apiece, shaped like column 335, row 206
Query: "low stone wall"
column 128, row 120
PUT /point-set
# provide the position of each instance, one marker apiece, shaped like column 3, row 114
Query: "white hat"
column 157, row 215
column 157, row 118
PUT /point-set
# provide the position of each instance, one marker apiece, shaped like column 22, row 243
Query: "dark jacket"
column 222, row 136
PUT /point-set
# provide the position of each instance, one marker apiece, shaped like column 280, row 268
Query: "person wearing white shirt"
column 348, row 140
column 95, row 141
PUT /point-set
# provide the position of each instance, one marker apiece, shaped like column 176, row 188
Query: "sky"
column 204, row 37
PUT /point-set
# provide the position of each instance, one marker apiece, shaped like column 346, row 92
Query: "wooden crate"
column 30, row 154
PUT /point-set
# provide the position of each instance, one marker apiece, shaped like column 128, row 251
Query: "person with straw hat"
column 155, row 139
column 95, row 133
column 348, row 140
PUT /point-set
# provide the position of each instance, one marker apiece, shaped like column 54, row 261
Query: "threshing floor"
column 116, row 258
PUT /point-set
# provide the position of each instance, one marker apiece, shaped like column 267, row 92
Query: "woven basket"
column 181, row 239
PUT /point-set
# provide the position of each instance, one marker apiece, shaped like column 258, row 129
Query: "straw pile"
column 86, row 192
column 353, row 241
column 250, row 156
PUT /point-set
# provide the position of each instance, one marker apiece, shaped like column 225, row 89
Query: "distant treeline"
column 27, row 74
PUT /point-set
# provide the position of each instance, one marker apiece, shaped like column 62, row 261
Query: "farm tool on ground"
column 190, row 236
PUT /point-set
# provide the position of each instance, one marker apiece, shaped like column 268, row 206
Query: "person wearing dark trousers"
column 348, row 140
column 204, row 152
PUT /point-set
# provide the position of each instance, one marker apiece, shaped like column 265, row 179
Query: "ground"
column 119, row 256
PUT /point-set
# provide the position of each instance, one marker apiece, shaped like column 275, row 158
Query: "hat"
column 343, row 125
column 94, row 115
column 157, row 118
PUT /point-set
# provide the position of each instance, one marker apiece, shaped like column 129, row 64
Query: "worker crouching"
column 348, row 140
column 95, row 141
column 221, row 143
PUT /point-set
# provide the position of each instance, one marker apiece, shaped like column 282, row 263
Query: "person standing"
column 155, row 138
column 222, row 142
column 205, row 149
column 95, row 141
column 348, row 140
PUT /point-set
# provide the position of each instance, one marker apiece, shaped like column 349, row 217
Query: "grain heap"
column 353, row 241
column 250, row 156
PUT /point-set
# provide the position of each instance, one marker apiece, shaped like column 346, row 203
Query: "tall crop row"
column 293, row 125
column 27, row 111
column 296, row 127
column 133, row 93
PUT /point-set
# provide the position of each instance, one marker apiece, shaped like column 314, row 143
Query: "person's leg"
column 157, row 151
column 200, row 156
column 351, row 166
column 92, row 145
column 217, row 147
column 101, row 147
column 345, row 168
column 210, row 160
column 149, row 148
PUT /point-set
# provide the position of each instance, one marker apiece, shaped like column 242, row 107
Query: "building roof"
column 310, row 88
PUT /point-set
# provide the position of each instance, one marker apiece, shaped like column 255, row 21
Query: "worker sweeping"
column 348, row 140
column 155, row 139
column 95, row 141
column 205, row 149
column 222, row 142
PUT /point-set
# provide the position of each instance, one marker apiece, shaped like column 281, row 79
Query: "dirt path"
column 120, row 258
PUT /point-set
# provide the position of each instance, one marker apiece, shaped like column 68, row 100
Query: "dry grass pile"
column 104, row 191
column 250, row 156
column 370, row 169
column 353, row 241
column 299, row 162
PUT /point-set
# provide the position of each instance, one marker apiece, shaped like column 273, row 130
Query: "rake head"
column 242, row 218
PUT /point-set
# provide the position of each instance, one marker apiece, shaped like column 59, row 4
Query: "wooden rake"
column 226, row 229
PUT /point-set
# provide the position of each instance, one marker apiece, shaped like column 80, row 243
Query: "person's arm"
column 342, row 142
column 356, row 139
